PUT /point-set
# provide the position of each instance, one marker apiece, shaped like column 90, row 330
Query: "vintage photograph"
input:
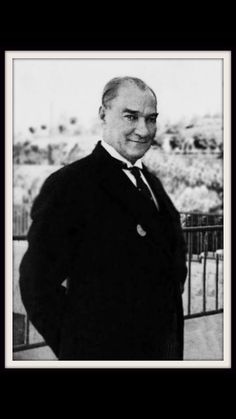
column 117, row 211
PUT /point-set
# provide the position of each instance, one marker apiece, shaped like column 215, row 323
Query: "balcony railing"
column 22, row 220
column 203, row 293
column 204, row 285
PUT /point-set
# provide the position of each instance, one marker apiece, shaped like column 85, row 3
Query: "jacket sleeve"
column 45, row 265
column 179, row 254
column 179, row 267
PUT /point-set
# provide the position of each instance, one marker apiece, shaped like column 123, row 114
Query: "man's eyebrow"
column 154, row 114
column 132, row 111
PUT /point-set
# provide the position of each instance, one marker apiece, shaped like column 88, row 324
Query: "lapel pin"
column 141, row 231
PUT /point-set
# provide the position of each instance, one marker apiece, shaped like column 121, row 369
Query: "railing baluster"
column 217, row 281
column 27, row 330
column 189, row 271
column 204, row 270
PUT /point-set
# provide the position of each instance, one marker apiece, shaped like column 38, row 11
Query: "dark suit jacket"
column 123, row 298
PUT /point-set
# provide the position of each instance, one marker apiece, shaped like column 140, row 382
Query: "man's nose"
column 141, row 128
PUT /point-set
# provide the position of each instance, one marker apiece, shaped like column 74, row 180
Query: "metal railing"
column 205, row 269
column 194, row 219
column 210, row 258
column 22, row 219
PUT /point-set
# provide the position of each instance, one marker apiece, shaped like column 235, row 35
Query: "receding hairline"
column 112, row 88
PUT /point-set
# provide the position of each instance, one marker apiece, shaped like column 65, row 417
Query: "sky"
column 47, row 90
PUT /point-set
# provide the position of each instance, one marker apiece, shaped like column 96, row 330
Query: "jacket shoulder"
column 72, row 177
column 70, row 172
column 61, row 185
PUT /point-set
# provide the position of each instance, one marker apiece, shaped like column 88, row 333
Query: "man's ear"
column 102, row 113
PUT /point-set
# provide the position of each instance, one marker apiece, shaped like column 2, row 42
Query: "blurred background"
column 55, row 122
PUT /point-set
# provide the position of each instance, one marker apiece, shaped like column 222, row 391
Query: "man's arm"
column 179, row 268
column 179, row 255
column 45, row 265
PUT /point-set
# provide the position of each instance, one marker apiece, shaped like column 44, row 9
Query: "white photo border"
column 10, row 56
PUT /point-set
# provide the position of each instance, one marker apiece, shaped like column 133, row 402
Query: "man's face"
column 129, row 121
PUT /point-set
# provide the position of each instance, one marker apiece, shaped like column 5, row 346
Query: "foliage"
column 194, row 182
column 186, row 156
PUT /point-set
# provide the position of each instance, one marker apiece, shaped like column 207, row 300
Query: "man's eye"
column 131, row 117
column 152, row 119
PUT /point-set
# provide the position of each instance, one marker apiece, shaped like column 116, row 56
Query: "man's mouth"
column 138, row 141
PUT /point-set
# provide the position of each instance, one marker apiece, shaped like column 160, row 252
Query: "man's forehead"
column 130, row 96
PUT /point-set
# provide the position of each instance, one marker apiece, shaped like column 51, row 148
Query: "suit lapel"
column 163, row 199
column 117, row 185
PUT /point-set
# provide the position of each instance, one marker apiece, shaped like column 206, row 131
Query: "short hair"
column 111, row 89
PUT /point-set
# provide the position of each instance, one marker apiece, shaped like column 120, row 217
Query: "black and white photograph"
column 118, row 209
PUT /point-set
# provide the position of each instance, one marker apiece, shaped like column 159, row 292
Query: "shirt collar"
column 114, row 153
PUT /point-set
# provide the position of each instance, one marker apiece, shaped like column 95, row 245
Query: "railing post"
column 204, row 270
column 23, row 221
column 217, row 281
column 189, row 270
column 27, row 330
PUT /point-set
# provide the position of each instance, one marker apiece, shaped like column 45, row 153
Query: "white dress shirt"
column 114, row 153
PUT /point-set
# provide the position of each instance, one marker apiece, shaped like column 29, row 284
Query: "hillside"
column 187, row 157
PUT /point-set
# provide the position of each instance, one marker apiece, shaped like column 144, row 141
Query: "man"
column 106, row 225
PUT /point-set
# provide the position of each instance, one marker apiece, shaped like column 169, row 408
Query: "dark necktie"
column 141, row 185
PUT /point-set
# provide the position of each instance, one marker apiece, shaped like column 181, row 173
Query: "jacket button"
column 141, row 231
